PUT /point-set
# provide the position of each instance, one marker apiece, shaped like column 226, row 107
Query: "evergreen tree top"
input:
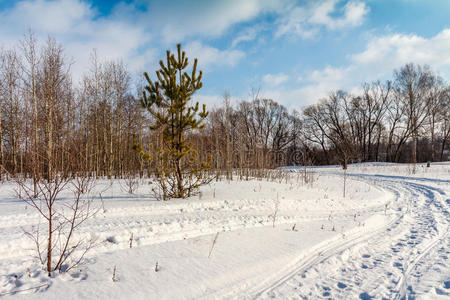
column 168, row 98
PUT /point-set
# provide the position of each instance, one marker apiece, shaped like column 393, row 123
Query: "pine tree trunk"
column 180, row 192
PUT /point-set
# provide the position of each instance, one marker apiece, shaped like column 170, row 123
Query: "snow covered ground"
column 388, row 238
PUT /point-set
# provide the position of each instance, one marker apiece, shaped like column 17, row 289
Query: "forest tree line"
column 48, row 122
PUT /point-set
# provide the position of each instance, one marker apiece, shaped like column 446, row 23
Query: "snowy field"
column 388, row 238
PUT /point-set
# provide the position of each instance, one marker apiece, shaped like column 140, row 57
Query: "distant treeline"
column 48, row 122
column 406, row 119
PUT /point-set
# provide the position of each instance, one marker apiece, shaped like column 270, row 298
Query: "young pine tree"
column 178, row 168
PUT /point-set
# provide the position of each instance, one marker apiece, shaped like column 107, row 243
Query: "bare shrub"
column 56, row 245
column 130, row 183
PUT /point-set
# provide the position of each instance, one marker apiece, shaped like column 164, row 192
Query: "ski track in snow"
column 154, row 223
column 393, row 262
column 153, row 226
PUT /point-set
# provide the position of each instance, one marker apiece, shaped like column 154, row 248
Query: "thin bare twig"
column 213, row 243
column 18, row 291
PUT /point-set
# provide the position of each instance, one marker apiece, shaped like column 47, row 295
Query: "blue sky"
column 291, row 51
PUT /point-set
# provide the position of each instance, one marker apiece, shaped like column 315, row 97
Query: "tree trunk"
column 49, row 248
column 49, row 150
column 2, row 153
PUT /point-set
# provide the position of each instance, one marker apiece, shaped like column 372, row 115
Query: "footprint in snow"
column 365, row 296
column 441, row 292
column 398, row 265
column 447, row 285
column 341, row 285
column 112, row 239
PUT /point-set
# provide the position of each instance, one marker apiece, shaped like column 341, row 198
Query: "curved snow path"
column 404, row 258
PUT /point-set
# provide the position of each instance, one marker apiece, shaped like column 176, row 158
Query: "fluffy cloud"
column 208, row 56
column 328, row 74
column 134, row 30
column 53, row 17
column 353, row 14
column 76, row 25
column 246, row 35
column 210, row 101
column 380, row 57
column 317, row 85
column 391, row 51
column 208, row 18
column 125, row 34
column 275, row 79
column 307, row 20
column 138, row 31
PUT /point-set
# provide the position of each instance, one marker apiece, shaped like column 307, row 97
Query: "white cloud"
column 319, row 84
column 210, row 101
column 275, row 79
column 391, row 51
column 75, row 25
column 208, row 55
column 134, row 36
column 376, row 62
column 214, row 101
column 353, row 14
column 296, row 22
column 208, row 18
column 291, row 98
column 329, row 74
column 129, row 33
column 50, row 16
column 307, row 20
column 246, row 35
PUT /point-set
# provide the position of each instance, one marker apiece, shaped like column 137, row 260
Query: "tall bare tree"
column 413, row 84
